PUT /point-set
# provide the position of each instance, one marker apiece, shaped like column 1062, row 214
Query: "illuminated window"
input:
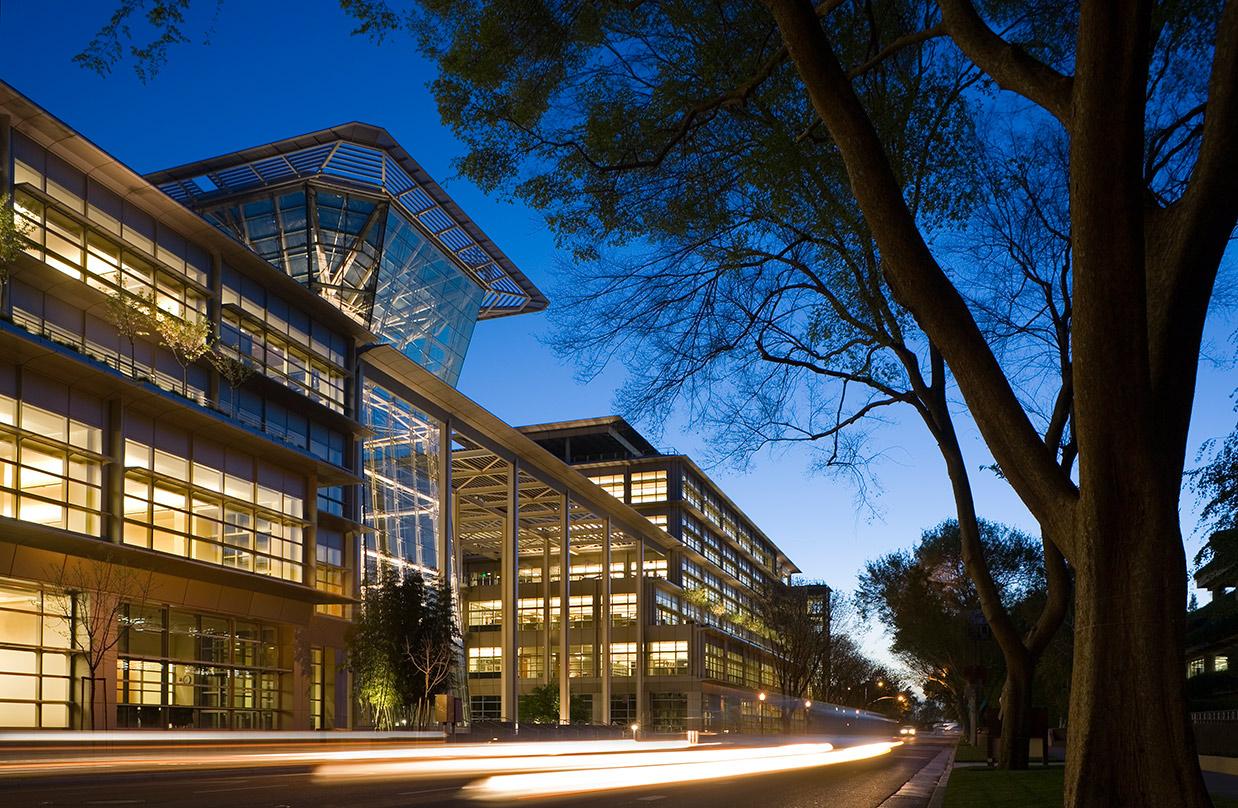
column 715, row 661
column 668, row 658
column 623, row 608
column 182, row 669
column 530, row 613
column 655, row 568
column 735, row 667
column 50, row 468
column 623, row 659
column 485, row 614
column 580, row 660
column 532, row 660
column 611, row 484
column 1220, row 664
column 649, row 486
column 486, row 660
column 35, row 678
column 1195, row 667
column 245, row 526
column 580, row 611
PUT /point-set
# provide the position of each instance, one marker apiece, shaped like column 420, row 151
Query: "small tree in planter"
column 233, row 370
column 132, row 315
column 12, row 244
column 188, row 340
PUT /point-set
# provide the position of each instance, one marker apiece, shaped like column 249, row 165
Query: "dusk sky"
column 272, row 70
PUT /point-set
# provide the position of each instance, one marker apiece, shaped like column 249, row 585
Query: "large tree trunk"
column 1129, row 741
column 1016, row 701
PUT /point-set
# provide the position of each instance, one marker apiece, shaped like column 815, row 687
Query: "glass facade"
column 401, row 457
column 365, row 256
column 35, row 661
column 180, row 669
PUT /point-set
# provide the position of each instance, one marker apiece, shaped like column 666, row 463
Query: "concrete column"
column 309, row 538
column 642, row 614
column 547, row 637
column 565, row 589
column 6, row 188
column 509, row 683
column 444, row 550
column 604, row 636
column 114, row 473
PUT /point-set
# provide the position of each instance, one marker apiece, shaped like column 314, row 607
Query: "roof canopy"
column 364, row 155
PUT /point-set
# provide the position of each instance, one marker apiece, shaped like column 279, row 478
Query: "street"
column 262, row 784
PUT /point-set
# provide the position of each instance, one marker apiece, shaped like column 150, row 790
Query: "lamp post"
column 761, row 710
column 807, row 715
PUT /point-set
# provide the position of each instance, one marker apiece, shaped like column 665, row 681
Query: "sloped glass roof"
column 367, row 156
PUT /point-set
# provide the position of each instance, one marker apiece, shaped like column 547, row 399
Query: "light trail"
column 593, row 759
column 507, row 787
column 174, row 756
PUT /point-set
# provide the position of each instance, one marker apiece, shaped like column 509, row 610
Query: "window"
column 183, row 669
column 485, row 614
column 735, row 667
column 623, row 659
column 50, row 468
column 623, row 608
column 1194, row 667
column 668, row 658
column 623, row 709
column 530, row 613
column 532, row 661
column 580, row 611
column 649, row 486
column 667, row 609
column 580, row 660
column 715, row 661
column 1220, row 664
column 486, row 661
column 330, row 573
column 35, row 668
column 611, row 484
column 486, row 708
column 668, row 712
column 248, row 527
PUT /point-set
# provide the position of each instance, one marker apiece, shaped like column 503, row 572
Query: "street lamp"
column 807, row 716
column 761, row 711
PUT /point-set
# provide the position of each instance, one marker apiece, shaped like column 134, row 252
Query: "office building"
column 249, row 490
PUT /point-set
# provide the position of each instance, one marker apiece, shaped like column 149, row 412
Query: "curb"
column 939, row 793
column 927, row 787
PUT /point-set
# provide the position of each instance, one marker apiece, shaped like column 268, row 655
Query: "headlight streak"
column 633, row 756
column 507, row 787
column 152, row 757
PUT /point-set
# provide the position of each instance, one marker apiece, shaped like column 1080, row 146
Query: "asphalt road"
column 847, row 785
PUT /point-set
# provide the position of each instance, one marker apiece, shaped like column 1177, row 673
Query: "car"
column 907, row 731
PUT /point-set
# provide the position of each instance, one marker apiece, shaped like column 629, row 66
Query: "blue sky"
column 271, row 70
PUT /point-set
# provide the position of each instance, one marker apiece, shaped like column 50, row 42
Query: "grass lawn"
column 966, row 753
column 1034, row 788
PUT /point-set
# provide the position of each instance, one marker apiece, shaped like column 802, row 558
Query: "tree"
column 13, row 234
column 396, row 649
column 541, row 706
column 188, row 340
column 797, row 629
column 1216, row 485
column 132, row 315
column 233, row 370
column 929, row 604
column 91, row 596
column 609, row 115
